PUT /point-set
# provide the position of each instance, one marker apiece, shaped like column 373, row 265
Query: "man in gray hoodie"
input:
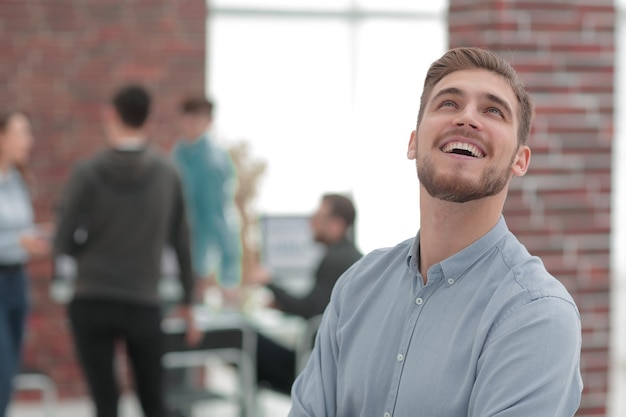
column 119, row 209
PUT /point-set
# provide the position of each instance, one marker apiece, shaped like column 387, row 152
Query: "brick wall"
column 561, row 210
column 60, row 60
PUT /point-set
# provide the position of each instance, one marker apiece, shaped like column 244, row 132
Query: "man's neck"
column 128, row 139
column 330, row 241
column 130, row 144
column 447, row 228
column 196, row 136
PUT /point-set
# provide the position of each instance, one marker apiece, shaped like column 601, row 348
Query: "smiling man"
column 460, row 321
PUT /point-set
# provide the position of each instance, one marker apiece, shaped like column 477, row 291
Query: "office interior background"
column 326, row 92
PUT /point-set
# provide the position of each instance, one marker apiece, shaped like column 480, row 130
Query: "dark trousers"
column 276, row 365
column 13, row 311
column 97, row 325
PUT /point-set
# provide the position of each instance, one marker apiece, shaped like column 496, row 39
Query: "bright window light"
column 328, row 100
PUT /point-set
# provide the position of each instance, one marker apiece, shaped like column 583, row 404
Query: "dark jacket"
column 131, row 205
column 338, row 258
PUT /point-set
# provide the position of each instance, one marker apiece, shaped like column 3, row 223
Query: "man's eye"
column 495, row 110
column 448, row 103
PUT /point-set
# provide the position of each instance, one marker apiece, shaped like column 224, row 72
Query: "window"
column 327, row 93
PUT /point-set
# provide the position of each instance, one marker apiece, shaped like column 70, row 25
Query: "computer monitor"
column 289, row 250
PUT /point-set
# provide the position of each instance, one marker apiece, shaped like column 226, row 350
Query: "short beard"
column 455, row 190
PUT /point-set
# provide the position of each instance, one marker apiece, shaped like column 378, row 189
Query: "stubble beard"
column 456, row 189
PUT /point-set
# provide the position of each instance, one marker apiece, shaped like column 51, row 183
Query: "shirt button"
column 400, row 357
column 387, row 415
column 419, row 301
column 450, row 281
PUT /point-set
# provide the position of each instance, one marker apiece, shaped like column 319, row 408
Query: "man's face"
column 193, row 126
column 321, row 222
column 466, row 144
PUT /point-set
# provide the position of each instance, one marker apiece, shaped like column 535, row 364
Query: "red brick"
column 565, row 52
column 66, row 58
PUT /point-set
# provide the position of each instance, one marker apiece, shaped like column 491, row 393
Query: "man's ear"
column 411, row 152
column 338, row 227
column 110, row 115
column 521, row 161
column 107, row 114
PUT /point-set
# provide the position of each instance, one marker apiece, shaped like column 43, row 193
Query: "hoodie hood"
column 127, row 169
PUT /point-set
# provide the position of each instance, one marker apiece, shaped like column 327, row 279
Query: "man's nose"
column 468, row 117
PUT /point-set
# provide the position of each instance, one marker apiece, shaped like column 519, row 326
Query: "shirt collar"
column 413, row 256
column 457, row 264
column 204, row 136
column 196, row 144
column 131, row 144
column 10, row 176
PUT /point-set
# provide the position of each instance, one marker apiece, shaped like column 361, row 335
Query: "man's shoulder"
column 402, row 250
column 376, row 263
column 375, row 275
column 160, row 159
column 529, row 273
column 85, row 167
column 344, row 249
column 161, row 162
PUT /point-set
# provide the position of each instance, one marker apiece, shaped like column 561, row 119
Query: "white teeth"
column 477, row 153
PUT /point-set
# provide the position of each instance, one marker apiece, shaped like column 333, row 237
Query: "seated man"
column 276, row 364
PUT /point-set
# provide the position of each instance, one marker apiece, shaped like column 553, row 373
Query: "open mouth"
column 463, row 148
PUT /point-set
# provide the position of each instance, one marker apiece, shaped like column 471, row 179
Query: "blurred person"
column 19, row 241
column 209, row 184
column 331, row 225
column 460, row 321
column 118, row 211
column 209, row 181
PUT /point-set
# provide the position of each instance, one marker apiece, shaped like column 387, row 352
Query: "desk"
column 292, row 331
column 227, row 335
column 285, row 328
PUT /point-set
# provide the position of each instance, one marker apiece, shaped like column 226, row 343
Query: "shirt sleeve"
column 68, row 211
column 314, row 393
column 8, row 242
column 180, row 242
column 229, row 232
column 334, row 264
column 287, row 302
column 530, row 365
column 315, row 301
column 14, row 221
column 231, row 245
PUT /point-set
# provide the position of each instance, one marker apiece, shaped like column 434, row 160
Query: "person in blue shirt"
column 460, row 321
column 209, row 184
column 20, row 240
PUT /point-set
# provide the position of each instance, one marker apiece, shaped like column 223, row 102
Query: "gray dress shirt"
column 492, row 333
